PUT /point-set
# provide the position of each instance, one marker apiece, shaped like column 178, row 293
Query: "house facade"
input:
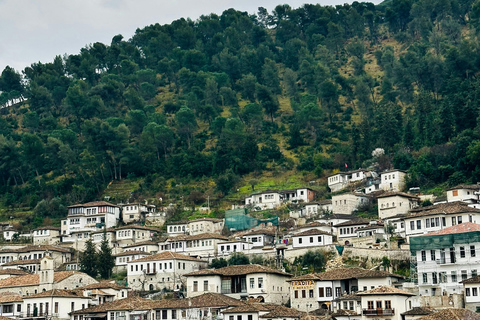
column 46, row 235
column 385, row 302
column 392, row 180
column 256, row 281
column 394, row 203
column 349, row 202
column 465, row 193
column 446, row 257
column 312, row 238
column 132, row 212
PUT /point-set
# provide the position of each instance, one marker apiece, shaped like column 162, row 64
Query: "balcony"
column 378, row 312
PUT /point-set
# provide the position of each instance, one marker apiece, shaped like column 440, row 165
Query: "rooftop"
column 459, row 228
column 474, row 187
column 167, row 255
column 238, row 270
column 385, row 290
column 452, row 314
column 58, row 293
column 198, row 237
column 442, row 208
column 311, row 232
column 22, row 262
column 93, row 204
column 418, row 311
column 346, row 273
column 398, row 194
column 10, row 297
column 354, row 222
column 130, row 303
column 130, row 253
column 34, row 279
column 103, row 285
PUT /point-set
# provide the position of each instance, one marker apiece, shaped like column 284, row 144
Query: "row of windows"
column 161, row 266
column 435, row 222
column 386, row 205
column 350, row 230
column 239, row 317
column 378, row 305
column 442, row 277
column 319, row 239
column 462, row 253
column 474, row 292
column 176, row 229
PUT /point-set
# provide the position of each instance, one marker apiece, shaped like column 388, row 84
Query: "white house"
column 338, row 181
column 321, row 290
column 226, row 248
column 264, row 283
column 46, row 235
column 311, row 238
column 446, row 257
column 57, row 303
column 260, row 237
column 177, row 227
column 133, row 308
column 202, row 245
column 348, row 229
column 11, row 305
column 145, row 246
column 122, row 258
column 161, row 270
column 465, row 193
column 136, row 211
column 104, row 292
column 348, row 203
column 205, row 225
column 392, row 180
column 471, row 289
column 89, row 217
column 386, row 302
column 268, row 199
column 423, row 220
column 394, row 203
column 130, row 234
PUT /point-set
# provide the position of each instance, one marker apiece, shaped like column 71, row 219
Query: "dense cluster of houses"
column 43, row 280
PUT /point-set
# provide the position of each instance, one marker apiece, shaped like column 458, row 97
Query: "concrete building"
column 348, row 229
column 46, row 235
column 134, row 212
column 131, row 234
column 123, row 258
column 256, row 281
column 386, row 302
column 312, row 238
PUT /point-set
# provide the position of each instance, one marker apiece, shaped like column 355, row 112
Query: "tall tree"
column 88, row 259
column 105, row 259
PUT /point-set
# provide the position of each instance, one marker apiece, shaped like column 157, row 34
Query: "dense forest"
column 227, row 97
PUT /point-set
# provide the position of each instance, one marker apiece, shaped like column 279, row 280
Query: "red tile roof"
column 452, row 314
column 167, row 255
column 238, row 270
column 442, row 208
column 459, row 228
column 93, row 204
column 385, row 290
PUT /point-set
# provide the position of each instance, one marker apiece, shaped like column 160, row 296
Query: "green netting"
column 238, row 219
column 442, row 241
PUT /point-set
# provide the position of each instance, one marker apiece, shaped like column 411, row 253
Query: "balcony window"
column 462, row 252
column 467, row 292
column 472, row 251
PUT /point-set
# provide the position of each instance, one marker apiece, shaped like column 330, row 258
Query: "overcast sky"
column 34, row 30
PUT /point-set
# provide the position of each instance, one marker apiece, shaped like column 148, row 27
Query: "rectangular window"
column 296, row 294
column 205, row 285
column 164, row 314
column 472, row 251
column 252, row 283
column 425, row 278
column 432, row 255
column 328, row 292
column 56, row 307
column 321, row 292
column 464, row 275
column 459, row 219
column 174, row 314
column 443, row 277
column 72, row 306
column 250, row 317
column 338, row 292
column 299, row 240
column 195, row 286
column 454, row 276
column 260, row 282
column 474, row 292
column 370, row 305
column 467, row 292
column 454, row 221
column 412, row 225
column 474, row 273
column 239, row 317
column 424, row 255
column 319, row 239
column 310, row 293
column 388, row 304
column 434, row 278
column 427, row 223
column 462, row 252
column 419, row 224
column 311, row 239
column 304, row 294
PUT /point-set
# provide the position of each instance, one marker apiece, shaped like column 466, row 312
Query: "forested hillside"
column 210, row 102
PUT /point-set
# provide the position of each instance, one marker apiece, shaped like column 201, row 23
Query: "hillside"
column 205, row 109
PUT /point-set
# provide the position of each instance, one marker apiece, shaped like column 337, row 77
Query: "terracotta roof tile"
column 354, row 222
column 385, row 290
column 41, row 248
column 400, row 194
column 103, row 285
column 167, row 255
column 282, row 312
column 311, row 232
column 143, row 243
column 354, row 273
column 198, row 237
column 130, row 303
column 459, row 228
column 210, row 300
column 58, row 293
column 47, row 228
column 93, row 204
column 10, row 297
column 134, row 226
column 207, row 219
column 475, row 187
column 442, row 208
column 13, row 272
column 238, row 270
column 130, row 253
column 418, row 311
column 22, row 262
column 452, row 314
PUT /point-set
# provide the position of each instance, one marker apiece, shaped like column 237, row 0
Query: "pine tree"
column 106, row 261
column 88, row 259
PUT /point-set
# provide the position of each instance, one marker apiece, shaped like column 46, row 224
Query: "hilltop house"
column 465, row 193
column 392, row 180
column 348, row 203
column 132, row 212
column 394, row 203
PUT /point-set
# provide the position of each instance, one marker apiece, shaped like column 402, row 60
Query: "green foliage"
column 238, row 259
column 88, row 259
column 313, row 261
column 105, row 259
column 218, row 263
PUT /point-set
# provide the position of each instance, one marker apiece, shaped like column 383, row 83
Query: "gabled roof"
column 199, row 236
column 34, row 279
column 458, row 228
column 312, row 232
column 136, row 226
column 442, row 208
column 452, row 314
column 47, row 228
column 211, row 300
column 31, row 248
column 385, row 290
column 10, row 297
column 142, row 244
column 398, row 194
column 238, row 270
column 131, row 253
column 418, row 311
column 247, row 308
column 475, row 279
column 354, row 222
column 167, row 255
column 13, row 272
column 103, row 285
column 58, row 293
column 279, row 311
column 346, row 273
column 474, row 187
column 130, row 303
column 93, row 204
column 207, row 219
column 22, row 262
